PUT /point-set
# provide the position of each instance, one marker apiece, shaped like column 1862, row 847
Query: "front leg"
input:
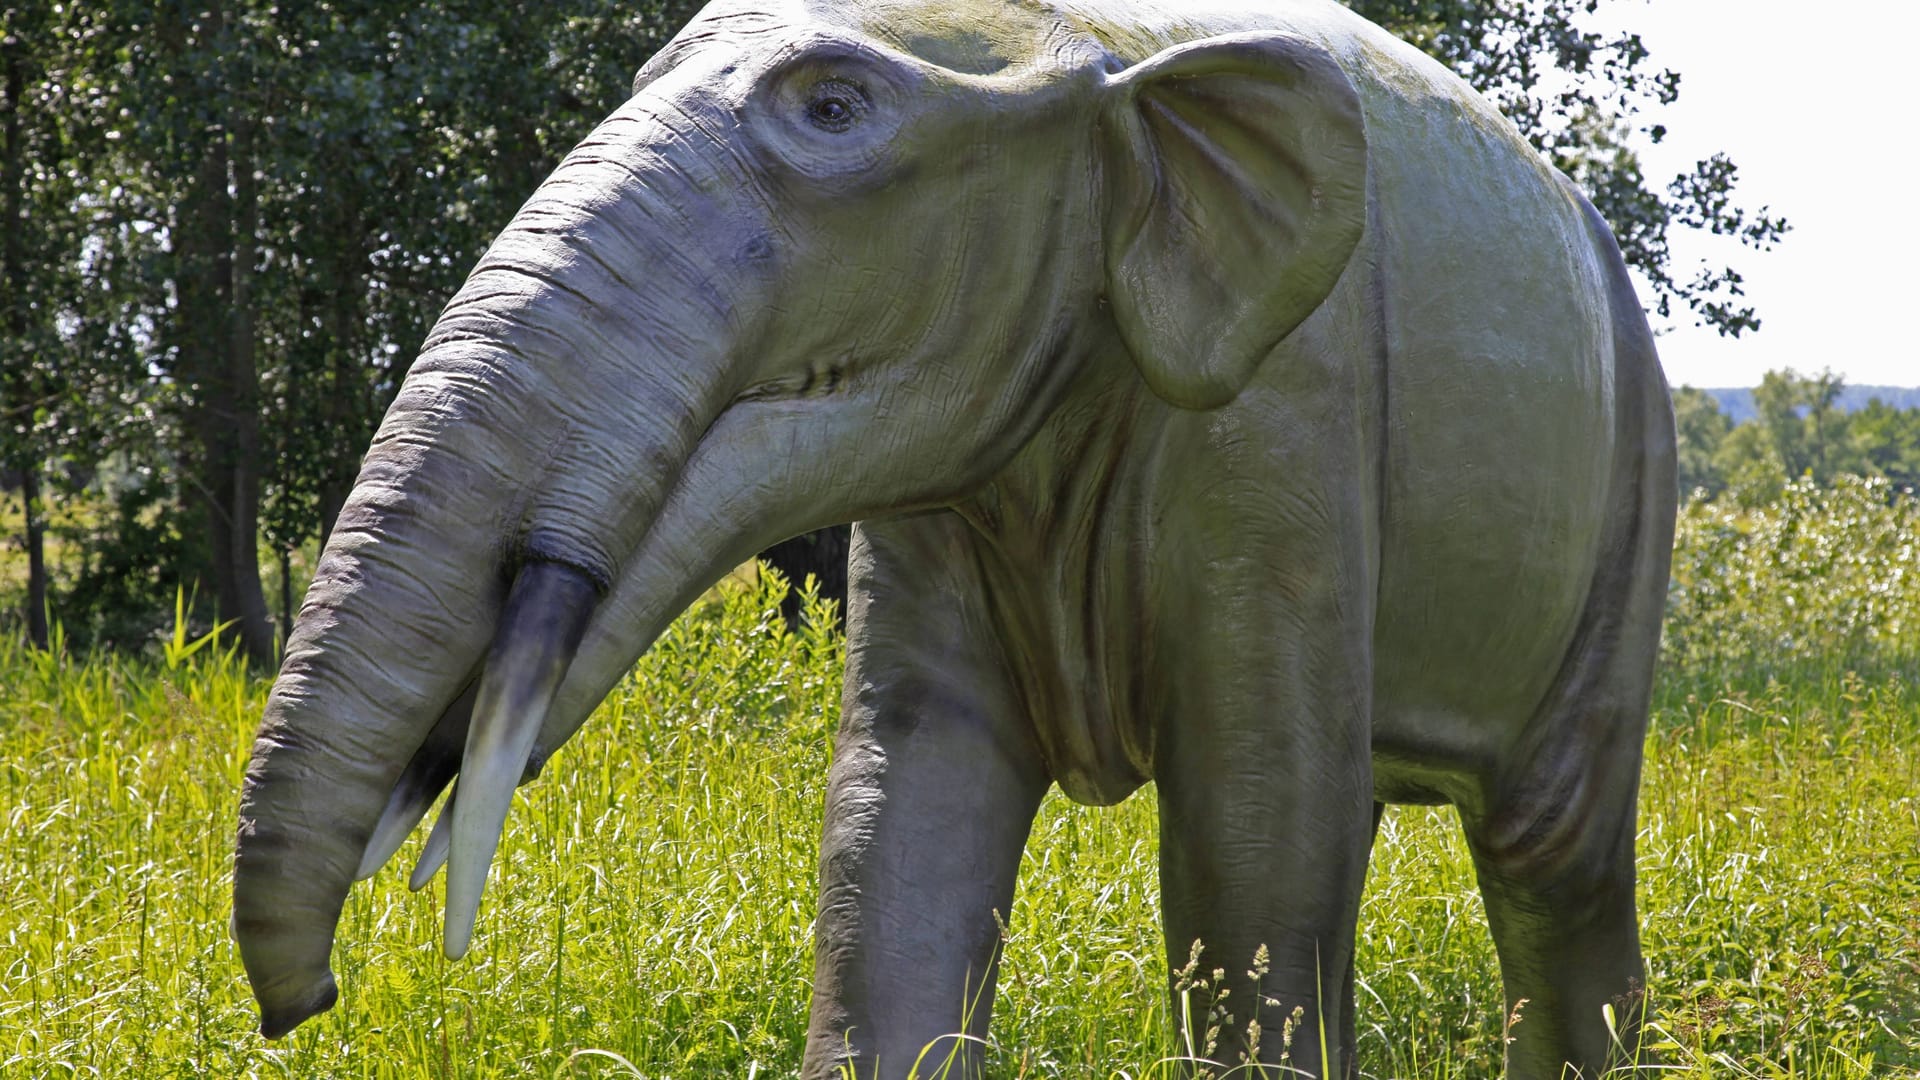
column 1263, row 756
column 1266, row 822
column 934, row 785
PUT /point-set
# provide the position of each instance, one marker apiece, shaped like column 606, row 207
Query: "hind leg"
column 1553, row 847
column 1568, row 938
column 1553, row 837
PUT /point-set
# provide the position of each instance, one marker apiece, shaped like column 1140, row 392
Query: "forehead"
column 974, row 37
column 977, row 37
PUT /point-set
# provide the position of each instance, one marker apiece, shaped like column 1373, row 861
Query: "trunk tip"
column 278, row 1019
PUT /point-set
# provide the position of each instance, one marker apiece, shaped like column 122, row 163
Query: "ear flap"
column 1236, row 192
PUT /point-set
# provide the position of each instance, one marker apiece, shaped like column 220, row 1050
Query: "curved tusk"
column 546, row 615
column 424, row 778
column 435, row 853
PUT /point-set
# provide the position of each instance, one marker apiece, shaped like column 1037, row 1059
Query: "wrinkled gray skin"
column 1231, row 401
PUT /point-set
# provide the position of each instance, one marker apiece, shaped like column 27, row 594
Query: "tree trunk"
column 36, row 534
column 248, row 601
column 18, row 383
column 216, row 247
column 286, row 599
column 346, row 408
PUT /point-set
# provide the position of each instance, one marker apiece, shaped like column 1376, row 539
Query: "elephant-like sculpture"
column 1230, row 398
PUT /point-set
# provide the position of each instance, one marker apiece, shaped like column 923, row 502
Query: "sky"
column 1816, row 104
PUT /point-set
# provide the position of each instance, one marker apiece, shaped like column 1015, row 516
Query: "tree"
column 1802, row 420
column 71, row 372
column 1800, row 430
column 1886, row 442
column 306, row 185
column 29, row 263
column 1701, row 428
column 205, row 115
column 1749, row 465
column 397, row 174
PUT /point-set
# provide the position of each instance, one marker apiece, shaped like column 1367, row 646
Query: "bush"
column 1831, row 572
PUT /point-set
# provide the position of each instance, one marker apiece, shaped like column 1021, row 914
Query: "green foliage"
column 136, row 550
column 229, row 229
column 654, row 895
column 1798, row 415
column 1819, row 571
column 1700, row 428
column 1748, row 465
column 1799, row 430
column 1885, row 441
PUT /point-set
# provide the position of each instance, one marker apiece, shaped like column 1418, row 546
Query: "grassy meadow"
column 651, row 907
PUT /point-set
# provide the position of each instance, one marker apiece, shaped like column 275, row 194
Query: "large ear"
column 1236, row 190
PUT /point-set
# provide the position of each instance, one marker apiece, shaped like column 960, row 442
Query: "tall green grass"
column 652, row 902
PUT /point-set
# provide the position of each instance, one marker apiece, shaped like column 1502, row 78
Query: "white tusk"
column 545, row 617
column 435, row 853
column 405, row 808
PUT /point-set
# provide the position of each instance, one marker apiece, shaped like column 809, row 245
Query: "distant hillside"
column 1737, row 402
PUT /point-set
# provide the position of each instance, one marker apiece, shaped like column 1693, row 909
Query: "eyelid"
column 842, row 81
column 853, row 90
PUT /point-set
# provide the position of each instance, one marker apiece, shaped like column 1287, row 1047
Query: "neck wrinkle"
column 1067, row 541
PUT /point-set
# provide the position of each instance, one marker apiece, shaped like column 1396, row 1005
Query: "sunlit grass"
column 654, row 895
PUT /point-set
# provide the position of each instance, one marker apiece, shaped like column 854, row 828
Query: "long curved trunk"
column 412, row 590
column 360, row 688
column 535, row 438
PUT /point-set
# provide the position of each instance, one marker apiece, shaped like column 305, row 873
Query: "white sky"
column 1816, row 104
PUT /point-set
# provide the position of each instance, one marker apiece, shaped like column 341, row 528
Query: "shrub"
column 1831, row 572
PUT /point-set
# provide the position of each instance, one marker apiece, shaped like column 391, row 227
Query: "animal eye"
column 835, row 105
